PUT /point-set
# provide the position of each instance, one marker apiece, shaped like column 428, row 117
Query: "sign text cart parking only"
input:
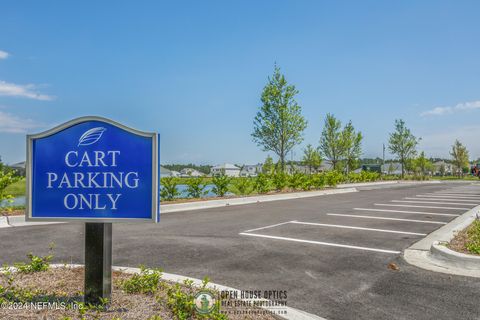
column 98, row 171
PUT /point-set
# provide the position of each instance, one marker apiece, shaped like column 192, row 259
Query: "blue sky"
column 194, row 70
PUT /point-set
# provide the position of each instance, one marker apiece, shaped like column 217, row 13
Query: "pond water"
column 182, row 188
column 18, row 201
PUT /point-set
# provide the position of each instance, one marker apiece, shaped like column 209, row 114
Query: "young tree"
column 352, row 145
column 422, row 164
column 442, row 169
column 331, row 142
column 402, row 143
column 312, row 158
column 279, row 124
column 268, row 166
column 459, row 154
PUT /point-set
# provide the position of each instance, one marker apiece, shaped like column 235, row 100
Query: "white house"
column 251, row 170
column 442, row 167
column 190, row 172
column 227, row 169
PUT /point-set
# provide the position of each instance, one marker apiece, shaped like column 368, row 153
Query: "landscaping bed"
column 143, row 295
column 468, row 240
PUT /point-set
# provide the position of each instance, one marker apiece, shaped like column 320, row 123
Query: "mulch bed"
column 459, row 241
column 16, row 212
column 66, row 284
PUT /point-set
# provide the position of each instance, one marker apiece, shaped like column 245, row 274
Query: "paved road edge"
column 292, row 313
column 430, row 253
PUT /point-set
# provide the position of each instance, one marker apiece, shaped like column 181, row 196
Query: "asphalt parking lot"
column 331, row 253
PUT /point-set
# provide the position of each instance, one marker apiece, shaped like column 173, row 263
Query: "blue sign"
column 92, row 169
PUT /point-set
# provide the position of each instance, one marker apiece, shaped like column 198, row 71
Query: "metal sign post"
column 97, row 171
column 98, row 262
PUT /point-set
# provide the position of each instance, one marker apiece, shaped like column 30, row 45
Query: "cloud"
column 26, row 91
column 439, row 142
column 440, row 111
column 3, row 55
column 10, row 123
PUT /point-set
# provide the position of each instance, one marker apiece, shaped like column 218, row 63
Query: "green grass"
column 17, row 189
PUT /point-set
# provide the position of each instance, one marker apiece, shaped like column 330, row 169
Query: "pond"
column 18, row 201
column 182, row 188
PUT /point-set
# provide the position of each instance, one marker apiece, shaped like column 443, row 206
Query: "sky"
column 194, row 70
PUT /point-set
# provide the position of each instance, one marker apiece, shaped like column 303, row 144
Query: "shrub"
column 220, row 183
column 306, row 182
column 262, row 183
column 144, row 282
column 169, row 189
column 333, row 178
column 473, row 242
column 368, row 176
column 36, row 263
column 196, row 187
column 181, row 302
column 296, row 180
column 279, row 180
column 319, row 180
column 242, row 186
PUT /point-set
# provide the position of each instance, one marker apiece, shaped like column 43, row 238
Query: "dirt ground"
column 65, row 285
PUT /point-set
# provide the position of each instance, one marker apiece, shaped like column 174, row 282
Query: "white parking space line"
column 414, row 206
column 413, row 212
column 383, row 218
column 357, row 228
column 442, row 199
column 320, row 243
column 465, row 194
column 446, row 196
column 436, row 202
column 270, row 226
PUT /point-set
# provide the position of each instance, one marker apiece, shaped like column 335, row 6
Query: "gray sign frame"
column 155, row 214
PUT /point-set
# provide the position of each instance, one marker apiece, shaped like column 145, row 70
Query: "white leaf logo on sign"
column 91, row 136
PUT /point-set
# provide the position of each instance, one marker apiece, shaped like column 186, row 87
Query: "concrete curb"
column 453, row 258
column 429, row 254
column 292, row 313
column 167, row 208
column 4, row 222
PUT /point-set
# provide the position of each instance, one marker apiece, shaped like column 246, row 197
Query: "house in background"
column 228, row 169
column 447, row 168
column 251, row 170
column 325, row 166
column 164, row 172
column 190, row 172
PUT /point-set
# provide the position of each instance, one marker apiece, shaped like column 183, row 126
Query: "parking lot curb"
column 292, row 313
column 4, row 222
column 198, row 205
column 430, row 253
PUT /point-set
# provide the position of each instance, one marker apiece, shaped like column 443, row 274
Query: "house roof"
column 18, row 165
column 165, row 170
